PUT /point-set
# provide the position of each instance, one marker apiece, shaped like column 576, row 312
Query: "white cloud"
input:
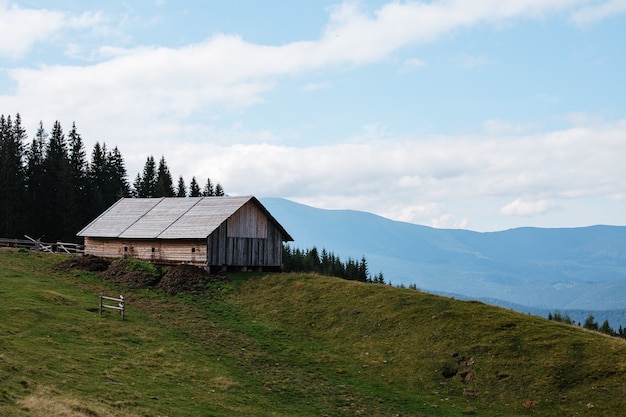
column 21, row 28
column 598, row 11
column 526, row 208
column 217, row 74
column 499, row 127
column 448, row 221
column 443, row 181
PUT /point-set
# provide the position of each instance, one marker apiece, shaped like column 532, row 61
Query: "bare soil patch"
column 187, row 279
column 179, row 279
column 122, row 271
column 88, row 263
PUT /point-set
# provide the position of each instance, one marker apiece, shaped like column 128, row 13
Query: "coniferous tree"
column 164, row 185
column 148, row 180
column 12, row 176
column 606, row 328
column 97, row 174
column 181, row 188
column 312, row 260
column 352, row 270
column 134, row 192
column 35, row 175
column 194, row 188
column 80, row 192
column 219, row 190
column 57, row 187
column 118, row 177
column 208, row 190
column 590, row 323
column 326, row 268
column 362, row 271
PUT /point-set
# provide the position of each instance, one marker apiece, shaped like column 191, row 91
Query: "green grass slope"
column 287, row 345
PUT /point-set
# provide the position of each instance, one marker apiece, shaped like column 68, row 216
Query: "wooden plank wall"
column 224, row 250
column 159, row 251
column 249, row 221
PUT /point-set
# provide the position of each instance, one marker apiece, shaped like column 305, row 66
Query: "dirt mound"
column 126, row 273
column 179, row 279
column 186, row 279
column 88, row 263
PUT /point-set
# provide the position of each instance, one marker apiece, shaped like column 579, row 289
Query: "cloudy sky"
column 475, row 114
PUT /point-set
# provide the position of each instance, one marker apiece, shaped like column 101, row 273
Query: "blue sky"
column 477, row 114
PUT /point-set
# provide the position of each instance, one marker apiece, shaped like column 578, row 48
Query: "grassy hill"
column 287, row 345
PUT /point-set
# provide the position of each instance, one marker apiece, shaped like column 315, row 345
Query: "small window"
column 193, row 250
column 125, row 248
column 153, row 250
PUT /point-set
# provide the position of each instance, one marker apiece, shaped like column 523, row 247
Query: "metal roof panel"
column 203, row 218
column 159, row 218
column 164, row 218
column 119, row 217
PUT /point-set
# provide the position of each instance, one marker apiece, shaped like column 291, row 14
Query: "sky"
column 476, row 114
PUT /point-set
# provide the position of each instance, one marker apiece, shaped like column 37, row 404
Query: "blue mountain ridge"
column 539, row 269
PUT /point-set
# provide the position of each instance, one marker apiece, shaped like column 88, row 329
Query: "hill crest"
column 562, row 268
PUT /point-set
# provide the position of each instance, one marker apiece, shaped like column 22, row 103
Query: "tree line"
column 589, row 324
column 327, row 263
column 50, row 189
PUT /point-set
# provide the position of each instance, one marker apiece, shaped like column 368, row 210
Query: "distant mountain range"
column 527, row 269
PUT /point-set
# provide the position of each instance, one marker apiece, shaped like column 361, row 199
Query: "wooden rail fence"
column 38, row 245
column 121, row 306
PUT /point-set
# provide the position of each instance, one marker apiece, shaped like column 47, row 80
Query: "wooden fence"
column 121, row 306
column 38, row 245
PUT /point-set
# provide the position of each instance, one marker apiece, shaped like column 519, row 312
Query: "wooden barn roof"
column 169, row 217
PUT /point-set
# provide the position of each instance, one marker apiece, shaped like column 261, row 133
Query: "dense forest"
column 327, row 263
column 50, row 188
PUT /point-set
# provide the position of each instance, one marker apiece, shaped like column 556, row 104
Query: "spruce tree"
column 607, row 329
column 57, row 187
column 97, row 174
column 35, row 182
column 12, row 176
column 219, row 191
column 312, row 260
column 181, row 189
column 194, row 188
column 79, row 204
column 117, row 175
column 134, row 192
column 362, row 271
column 146, row 187
column 208, row 190
column 164, row 185
column 590, row 323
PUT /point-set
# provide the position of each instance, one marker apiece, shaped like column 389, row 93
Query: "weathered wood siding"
column 246, row 239
column 159, row 251
column 248, row 222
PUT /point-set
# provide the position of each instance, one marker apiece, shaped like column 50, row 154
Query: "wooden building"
column 214, row 232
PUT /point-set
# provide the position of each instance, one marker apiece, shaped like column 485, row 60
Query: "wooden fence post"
column 121, row 306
